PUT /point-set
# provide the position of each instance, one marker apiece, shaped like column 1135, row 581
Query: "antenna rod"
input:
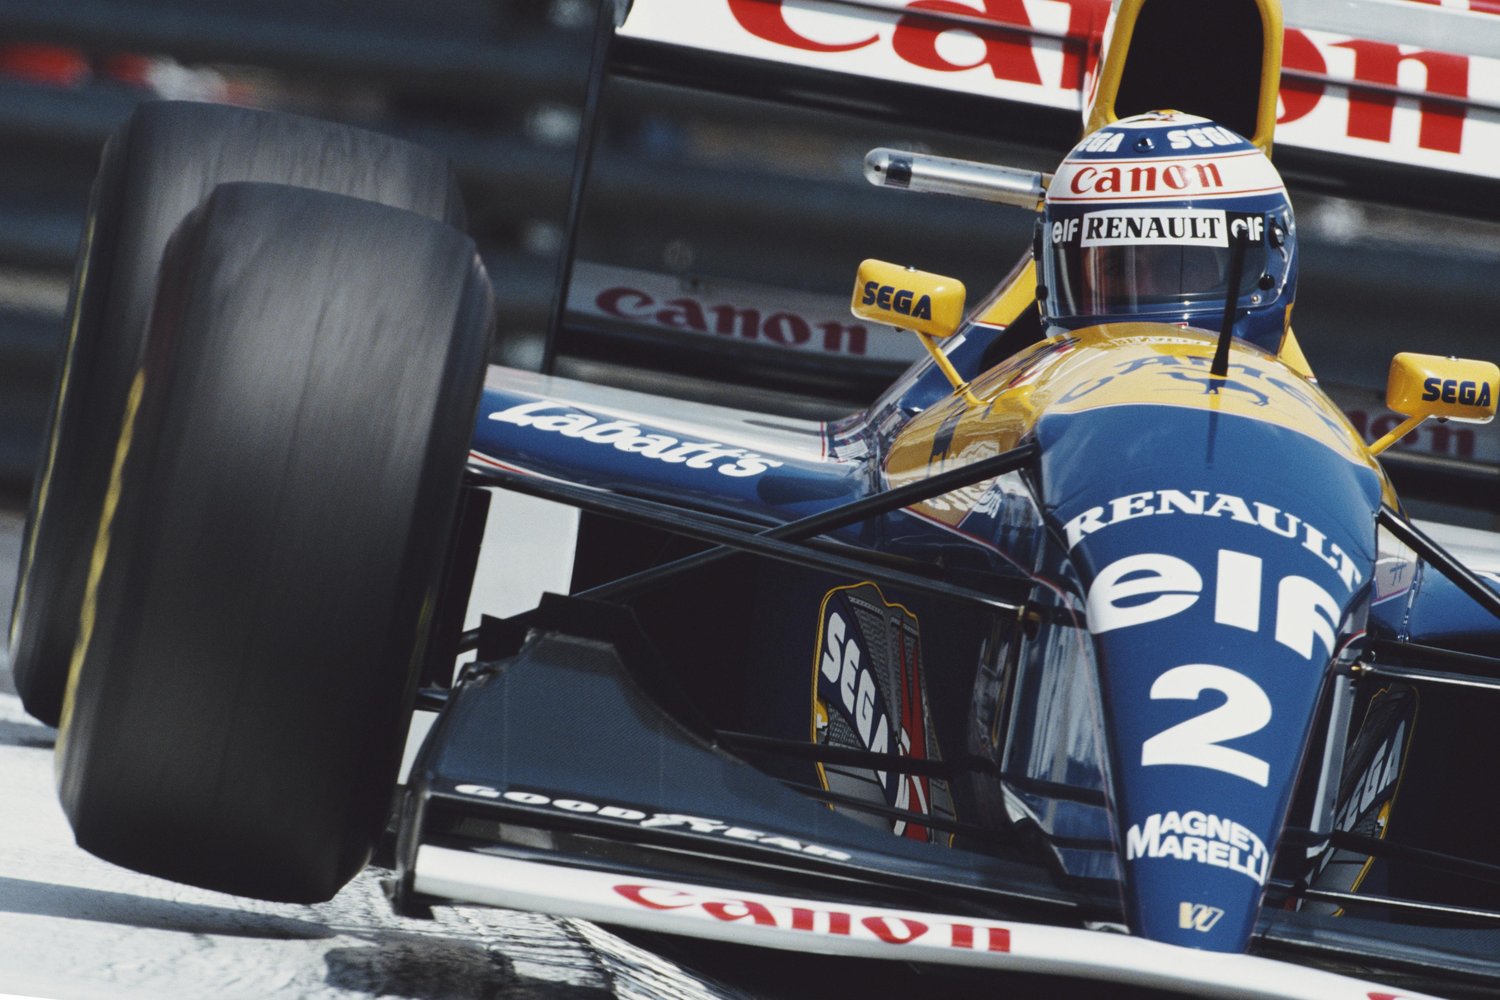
column 1220, row 367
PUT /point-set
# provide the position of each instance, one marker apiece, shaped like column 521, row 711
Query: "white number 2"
column 1195, row 742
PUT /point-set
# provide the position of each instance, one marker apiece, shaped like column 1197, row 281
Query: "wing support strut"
column 842, row 516
column 780, row 542
column 772, row 542
column 1414, row 539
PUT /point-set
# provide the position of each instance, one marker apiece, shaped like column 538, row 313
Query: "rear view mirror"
column 929, row 305
column 1449, row 388
column 908, row 298
column 1427, row 385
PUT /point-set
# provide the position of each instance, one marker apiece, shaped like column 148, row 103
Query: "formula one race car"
column 1099, row 646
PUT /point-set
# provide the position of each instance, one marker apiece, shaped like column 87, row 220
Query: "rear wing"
column 1364, row 85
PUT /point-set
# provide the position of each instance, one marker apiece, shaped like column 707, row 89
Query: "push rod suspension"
column 830, row 520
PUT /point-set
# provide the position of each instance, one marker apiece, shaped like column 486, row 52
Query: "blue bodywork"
column 1219, row 592
column 1197, row 575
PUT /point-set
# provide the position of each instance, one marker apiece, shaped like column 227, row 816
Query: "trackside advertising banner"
column 734, row 312
column 1367, row 411
column 1344, row 93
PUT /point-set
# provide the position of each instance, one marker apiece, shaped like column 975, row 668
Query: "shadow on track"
column 421, row 968
column 46, row 899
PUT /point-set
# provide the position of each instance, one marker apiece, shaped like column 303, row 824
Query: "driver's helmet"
column 1140, row 224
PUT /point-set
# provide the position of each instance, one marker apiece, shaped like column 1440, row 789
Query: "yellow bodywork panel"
column 1015, row 295
column 1291, row 354
column 1121, row 364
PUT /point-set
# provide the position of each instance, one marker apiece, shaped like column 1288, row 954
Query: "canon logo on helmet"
column 1147, row 178
column 1229, row 174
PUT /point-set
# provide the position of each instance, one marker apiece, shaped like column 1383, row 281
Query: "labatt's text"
column 631, row 437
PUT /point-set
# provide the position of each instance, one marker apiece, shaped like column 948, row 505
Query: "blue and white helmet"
column 1140, row 222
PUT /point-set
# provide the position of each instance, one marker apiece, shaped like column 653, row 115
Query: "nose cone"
column 1223, row 559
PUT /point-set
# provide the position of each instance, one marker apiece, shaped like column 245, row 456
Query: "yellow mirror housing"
column 1426, row 385
column 908, row 298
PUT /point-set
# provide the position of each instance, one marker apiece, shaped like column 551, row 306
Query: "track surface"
column 72, row 926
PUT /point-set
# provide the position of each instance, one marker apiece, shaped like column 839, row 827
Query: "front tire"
column 285, row 476
column 158, row 167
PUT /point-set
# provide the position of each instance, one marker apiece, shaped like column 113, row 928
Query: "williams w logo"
column 1197, row 916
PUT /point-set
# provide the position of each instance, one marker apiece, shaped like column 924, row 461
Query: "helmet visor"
column 1123, row 263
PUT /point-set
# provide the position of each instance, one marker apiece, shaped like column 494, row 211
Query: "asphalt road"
column 72, row 926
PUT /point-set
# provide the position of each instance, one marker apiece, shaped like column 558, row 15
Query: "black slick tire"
column 156, row 169
column 262, row 576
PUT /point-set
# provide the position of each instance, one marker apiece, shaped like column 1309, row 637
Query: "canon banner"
column 1343, row 93
column 734, row 312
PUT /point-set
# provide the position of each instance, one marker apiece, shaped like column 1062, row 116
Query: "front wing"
column 555, row 781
